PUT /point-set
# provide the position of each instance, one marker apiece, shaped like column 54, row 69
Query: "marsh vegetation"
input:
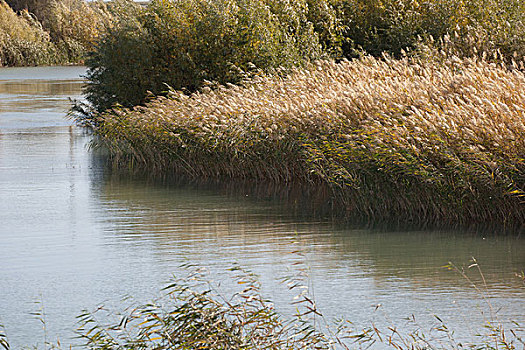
column 186, row 44
column 401, row 110
column 50, row 32
column 424, row 122
column 415, row 139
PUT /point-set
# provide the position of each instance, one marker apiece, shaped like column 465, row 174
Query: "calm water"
column 74, row 235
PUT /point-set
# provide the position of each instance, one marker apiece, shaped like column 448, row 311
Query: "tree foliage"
column 184, row 43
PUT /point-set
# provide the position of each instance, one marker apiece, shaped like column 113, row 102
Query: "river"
column 74, row 235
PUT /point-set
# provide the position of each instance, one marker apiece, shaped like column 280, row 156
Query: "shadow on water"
column 305, row 202
column 41, row 87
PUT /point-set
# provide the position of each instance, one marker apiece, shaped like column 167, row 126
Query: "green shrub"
column 492, row 27
column 185, row 43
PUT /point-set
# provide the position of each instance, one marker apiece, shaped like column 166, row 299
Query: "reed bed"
column 22, row 39
column 47, row 32
column 432, row 141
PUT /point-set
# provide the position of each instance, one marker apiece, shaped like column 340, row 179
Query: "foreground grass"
column 194, row 314
column 437, row 140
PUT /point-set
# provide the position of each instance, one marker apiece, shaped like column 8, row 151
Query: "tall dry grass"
column 51, row 32
column 413, row 140
column 22, row 39
column 75, row 26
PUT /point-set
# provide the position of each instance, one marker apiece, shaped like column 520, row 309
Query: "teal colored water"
column 74, row 234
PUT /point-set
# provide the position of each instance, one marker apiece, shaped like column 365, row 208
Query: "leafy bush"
column 390, row 26
column 185, row 43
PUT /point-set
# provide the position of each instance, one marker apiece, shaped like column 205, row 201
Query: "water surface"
column 74, row 234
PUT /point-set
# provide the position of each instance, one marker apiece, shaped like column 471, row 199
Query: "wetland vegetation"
column 194, row 313
column 403, row 110
column 408, row 139
column 50, row 32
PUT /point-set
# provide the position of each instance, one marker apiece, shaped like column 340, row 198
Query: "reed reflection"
column 248, row 222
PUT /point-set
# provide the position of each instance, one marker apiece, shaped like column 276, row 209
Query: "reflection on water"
column 74, row 235
column 361, row 267
column 28, row 88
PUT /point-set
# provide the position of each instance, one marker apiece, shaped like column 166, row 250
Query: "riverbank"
column 78, row 233
column 405, row 140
